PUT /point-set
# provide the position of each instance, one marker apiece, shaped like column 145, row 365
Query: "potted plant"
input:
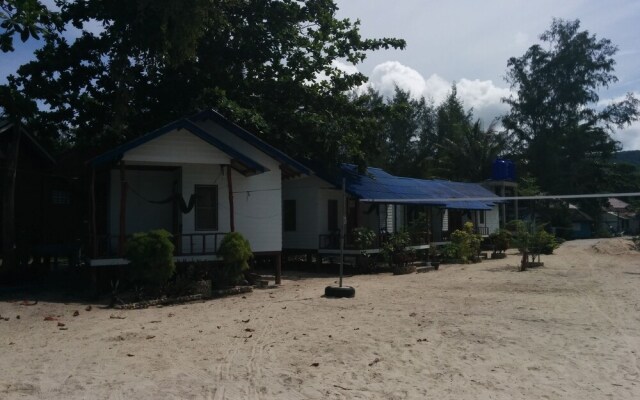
column 397, row 255
column 434, row 257
column 363, row 239
column 501, row 241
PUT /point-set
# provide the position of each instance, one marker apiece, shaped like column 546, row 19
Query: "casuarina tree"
column 561, row 134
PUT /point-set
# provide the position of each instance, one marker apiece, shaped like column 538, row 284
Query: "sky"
column 469, row 42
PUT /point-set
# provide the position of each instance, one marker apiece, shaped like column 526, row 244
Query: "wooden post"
column 9, row 201
column 123, row 210
column 278, row 259
column 232, row 223
column 94, row 229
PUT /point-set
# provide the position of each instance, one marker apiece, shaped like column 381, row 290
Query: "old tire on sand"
column 335, row 291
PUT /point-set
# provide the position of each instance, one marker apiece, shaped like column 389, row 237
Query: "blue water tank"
column 503, row 170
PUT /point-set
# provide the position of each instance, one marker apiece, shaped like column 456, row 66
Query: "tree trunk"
column 8, row 202
column 525, row 259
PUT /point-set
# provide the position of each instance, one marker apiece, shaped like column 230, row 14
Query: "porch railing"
column 445, row 236
column 186, row 244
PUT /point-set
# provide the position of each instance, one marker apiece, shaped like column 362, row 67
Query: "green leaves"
column 560, row 133
column 25, row 18
column 259, row 63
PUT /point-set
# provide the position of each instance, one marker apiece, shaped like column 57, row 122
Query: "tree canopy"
column 24, row 18
column 560, row 134
column 271, row 66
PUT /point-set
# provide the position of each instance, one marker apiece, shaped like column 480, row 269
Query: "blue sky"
column 469, row 42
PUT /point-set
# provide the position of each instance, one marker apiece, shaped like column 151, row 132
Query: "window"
column 206, row 208
column 333, row 215
column 481, row 217
column 289, row 215
column 445, row 221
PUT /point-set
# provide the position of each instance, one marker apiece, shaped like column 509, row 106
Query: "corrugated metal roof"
column 378, row 186
column 617, row 203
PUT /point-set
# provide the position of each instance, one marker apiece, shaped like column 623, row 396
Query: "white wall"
column 324, row 195
column 258, row 208
column 492, row 219
column 305, row 193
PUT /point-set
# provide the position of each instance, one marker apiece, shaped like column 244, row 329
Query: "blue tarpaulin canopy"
column 378, row 186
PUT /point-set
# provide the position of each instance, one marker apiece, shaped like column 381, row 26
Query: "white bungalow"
column 313, row 206
column 198, row 178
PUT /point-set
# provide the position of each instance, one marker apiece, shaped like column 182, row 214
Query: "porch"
column 110, row 249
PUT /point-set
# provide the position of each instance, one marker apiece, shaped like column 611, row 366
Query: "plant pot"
column 403, row 270
column 435, row 265
column 534, row 264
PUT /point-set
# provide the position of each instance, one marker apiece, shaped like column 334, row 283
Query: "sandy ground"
column 568, row 330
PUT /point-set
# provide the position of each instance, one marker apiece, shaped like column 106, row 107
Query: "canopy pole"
column 123, row 209
column 94, row 230
column 344, row 224
column 232, row 221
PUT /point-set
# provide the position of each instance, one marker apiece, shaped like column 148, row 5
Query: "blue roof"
column 253, row 140
column 378, row 186
column 189, row 126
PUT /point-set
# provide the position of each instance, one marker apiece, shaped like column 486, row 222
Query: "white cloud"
column 629, row 137
column 342, row 66
column 386, row 76
column 345, row 67
column 484, row 96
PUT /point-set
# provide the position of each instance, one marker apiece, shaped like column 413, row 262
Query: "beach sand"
column 567, row 330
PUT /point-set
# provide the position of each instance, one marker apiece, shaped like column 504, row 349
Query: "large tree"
column 269, row 65
column 561, row 135
column 405, row 127
column 463, row 148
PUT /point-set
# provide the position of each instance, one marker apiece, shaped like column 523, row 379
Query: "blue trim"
column 252, row 139
column 183, row 123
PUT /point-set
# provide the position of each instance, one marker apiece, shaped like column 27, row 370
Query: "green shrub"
column 395, row 249
column 236, row 253
column 636, row 242
column 545, row 242
column 151, row 257
column 532, row 241
column 451, row 251
column 501, row 240
column 363, row 238
column 465, row 243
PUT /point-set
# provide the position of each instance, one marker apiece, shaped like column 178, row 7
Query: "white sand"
column 568, row 330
